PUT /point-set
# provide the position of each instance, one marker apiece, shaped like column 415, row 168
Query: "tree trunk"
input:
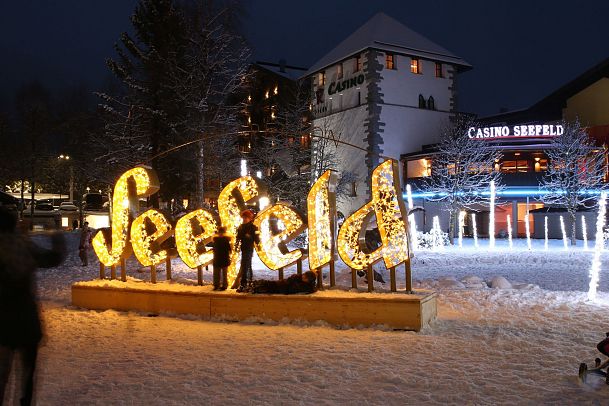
column 451, row 227
column 573, row 228
column 200, row 166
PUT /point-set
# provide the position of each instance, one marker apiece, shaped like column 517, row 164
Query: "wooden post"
column 392, row 277
column 168, row 267
column 299, row 266
column 102, row 271
column 152, row 274
column 408, row 276
column 353, row 278
column 280, row 271
column 320, row 279
column 113, row 272
column 123, row 270
column 199, row 275
column 370, row 278
column 332, row 276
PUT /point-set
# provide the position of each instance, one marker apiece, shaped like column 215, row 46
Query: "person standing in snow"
column 20, row 328
column 247, row 236
column 222, row 251
column 85, row 242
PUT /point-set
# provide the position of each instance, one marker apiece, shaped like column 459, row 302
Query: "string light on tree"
column 564, row 234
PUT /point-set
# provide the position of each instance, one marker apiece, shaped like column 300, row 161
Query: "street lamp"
column 67, row 158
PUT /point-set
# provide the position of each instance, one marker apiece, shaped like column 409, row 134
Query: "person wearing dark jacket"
column 247, row 236
column 305, row 283
column 222, row 250
column 20, row 328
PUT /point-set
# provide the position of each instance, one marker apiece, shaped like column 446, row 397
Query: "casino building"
column 522, row 136
column 385, row 90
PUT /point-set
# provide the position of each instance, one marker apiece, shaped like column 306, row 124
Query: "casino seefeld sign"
column 517, row 131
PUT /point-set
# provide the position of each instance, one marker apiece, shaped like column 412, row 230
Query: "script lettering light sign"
column 145, row 234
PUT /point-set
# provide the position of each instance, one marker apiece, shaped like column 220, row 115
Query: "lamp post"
column 67, row 158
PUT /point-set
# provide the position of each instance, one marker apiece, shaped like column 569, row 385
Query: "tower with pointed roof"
column 386, row 90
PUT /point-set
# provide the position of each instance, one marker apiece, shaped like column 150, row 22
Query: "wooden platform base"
column 396, row 310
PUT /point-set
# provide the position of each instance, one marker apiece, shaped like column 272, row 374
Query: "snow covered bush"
column 432, row 239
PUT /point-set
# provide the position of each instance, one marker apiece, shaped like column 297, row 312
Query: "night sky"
column 520, row 50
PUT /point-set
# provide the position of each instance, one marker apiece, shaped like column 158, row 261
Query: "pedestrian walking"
column 20, row 327
column 85, row 243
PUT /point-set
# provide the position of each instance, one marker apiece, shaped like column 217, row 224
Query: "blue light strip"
column 513, row 191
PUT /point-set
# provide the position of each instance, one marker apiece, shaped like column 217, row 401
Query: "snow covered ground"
column 519, row 345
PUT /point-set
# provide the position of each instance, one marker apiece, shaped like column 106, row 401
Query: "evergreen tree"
column 143, row 118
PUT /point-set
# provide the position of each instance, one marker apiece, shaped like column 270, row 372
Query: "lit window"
column 340, row 71
column 389, row 61
column 439, row 70
column 276, row 90
column 358, row 63
column 418, row 168
column 415, row 66
column 321, row 80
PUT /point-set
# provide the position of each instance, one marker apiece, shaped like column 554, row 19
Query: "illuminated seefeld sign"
column 145, row 235
column 531, row 130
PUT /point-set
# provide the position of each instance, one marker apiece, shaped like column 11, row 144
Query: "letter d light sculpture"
column 391, row 216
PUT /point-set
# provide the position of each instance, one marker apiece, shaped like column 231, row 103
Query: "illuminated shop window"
column 439, row 70
column 418, row 168
column 389, row 61
column 339, row 70
column 415, row 66
column 358, row 63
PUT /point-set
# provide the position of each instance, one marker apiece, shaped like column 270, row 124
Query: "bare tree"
column 326, row 140
column 284, row 149
column 206, row 80
column 461, row 171
column 576, row 166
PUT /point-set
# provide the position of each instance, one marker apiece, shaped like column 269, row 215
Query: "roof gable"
column 385, row 33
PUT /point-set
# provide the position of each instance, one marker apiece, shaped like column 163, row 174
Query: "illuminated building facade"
column 522, row 136
column 385, row 90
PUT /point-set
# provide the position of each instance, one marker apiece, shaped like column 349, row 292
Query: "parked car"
column 68, row 206
column 43, row 207
column 94, row 201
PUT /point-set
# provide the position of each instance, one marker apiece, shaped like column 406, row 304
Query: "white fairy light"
column 527, row 228
column 598, row 247
column 475, row 230
column 584, row 232
column 411, row 220
column 545, row 233
column 509, row 227
column 461, row 223
column 564, row 234
column 491, row 223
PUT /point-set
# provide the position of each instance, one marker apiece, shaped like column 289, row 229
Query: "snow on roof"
column 385, row 33
column 281, row 69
